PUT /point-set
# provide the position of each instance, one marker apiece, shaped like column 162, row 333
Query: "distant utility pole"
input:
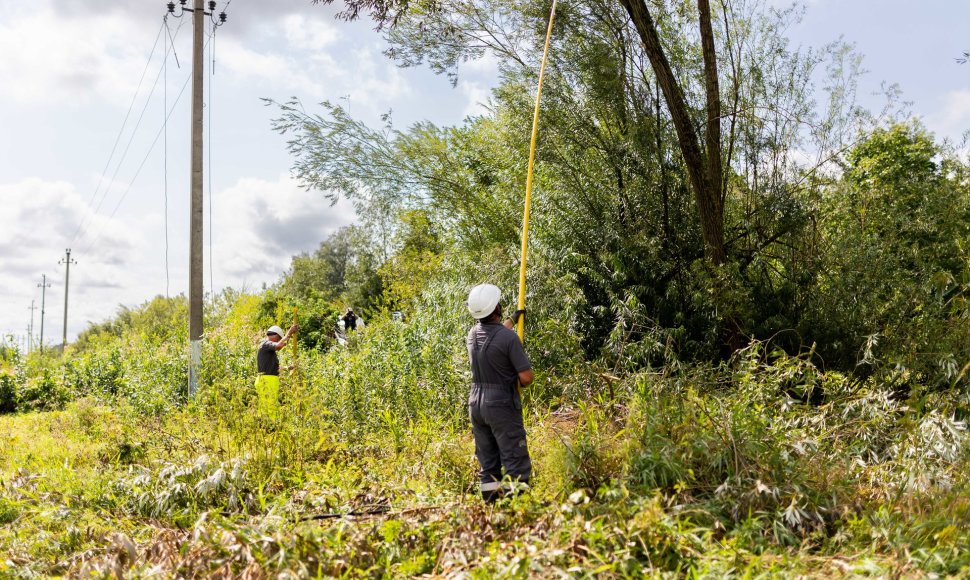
column 67, row 261
column 30, row 329
column 195, row 209
column 44, row 285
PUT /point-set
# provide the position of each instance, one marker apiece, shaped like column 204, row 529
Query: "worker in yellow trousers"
column 268, row 367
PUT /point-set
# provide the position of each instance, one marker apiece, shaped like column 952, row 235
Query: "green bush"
column 8, row 393
column 46, row 392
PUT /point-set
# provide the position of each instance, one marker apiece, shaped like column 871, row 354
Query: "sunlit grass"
column 369, row 469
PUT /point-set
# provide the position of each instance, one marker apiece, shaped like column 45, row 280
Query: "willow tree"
column 703, row 160
column 704, row 163
column 666, row 132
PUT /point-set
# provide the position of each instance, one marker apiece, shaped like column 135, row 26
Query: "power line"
column 158, row 135
column 169, row 30
column 212, row 70
column 123, row 125
column 165, row 152
column 44, row 285
column 30, row 329
column 124, row 155
column 212, row 284
column 196, row 199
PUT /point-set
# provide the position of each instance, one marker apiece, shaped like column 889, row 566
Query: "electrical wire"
column 124, row 123
column 212, row 67
column 165, row 154
column 158, row 135
column 84, row 222
column 169, row 30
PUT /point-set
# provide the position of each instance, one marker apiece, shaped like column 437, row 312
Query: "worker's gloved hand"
column 293, row 329
column 516, row 315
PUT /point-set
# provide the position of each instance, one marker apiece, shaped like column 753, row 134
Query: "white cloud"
column 51, row 59
column 487, row 65
column 953, row 117
column 37, row 224
column 260, row 225
column 305, row 34
column 303, row 58
column 269, row 69
column 47, row 214
column 374, row 79
column 477, row 95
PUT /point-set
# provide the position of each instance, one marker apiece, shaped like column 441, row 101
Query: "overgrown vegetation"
column 797, row 407
column 722, row 469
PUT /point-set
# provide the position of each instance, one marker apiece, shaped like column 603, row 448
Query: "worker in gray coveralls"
column 499, row 365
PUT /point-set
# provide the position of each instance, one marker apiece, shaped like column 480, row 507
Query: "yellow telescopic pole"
column 528, row 177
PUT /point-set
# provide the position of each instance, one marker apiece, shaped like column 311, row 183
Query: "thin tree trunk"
column 714, row 171
column 705, row 174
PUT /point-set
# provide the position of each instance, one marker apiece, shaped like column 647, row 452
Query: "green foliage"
column 8, row 393
column 342, row 273
column 179, row 491
column 11, row 375
column 43, row 392
column 416, row 262
column 615, row 237
column 692, row 471
column 896, row 264
column 796, row 411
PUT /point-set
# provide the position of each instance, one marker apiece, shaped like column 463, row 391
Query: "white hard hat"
column 274, row 330
column 483, row 299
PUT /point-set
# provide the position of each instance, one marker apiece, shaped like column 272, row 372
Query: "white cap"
column 274, row 330
column 483, row 299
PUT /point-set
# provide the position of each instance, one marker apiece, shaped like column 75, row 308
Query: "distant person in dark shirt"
column 268, row 367
column 350, row 320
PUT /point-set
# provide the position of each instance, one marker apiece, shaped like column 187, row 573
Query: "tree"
column 704, row 164
column 894, row 270
column 323, row 273
column 652, row 157
column 417, row 258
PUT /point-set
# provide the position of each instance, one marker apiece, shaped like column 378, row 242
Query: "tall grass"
column 686, row 470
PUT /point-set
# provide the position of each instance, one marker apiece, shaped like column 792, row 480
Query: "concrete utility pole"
column 195, row 213
column 67, row 261
column 30, row 329
column 195, row 208
column 44, row 285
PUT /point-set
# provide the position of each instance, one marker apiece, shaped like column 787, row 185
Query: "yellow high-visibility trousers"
column 268, row 393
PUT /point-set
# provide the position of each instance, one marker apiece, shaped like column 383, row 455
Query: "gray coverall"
column 495, row 408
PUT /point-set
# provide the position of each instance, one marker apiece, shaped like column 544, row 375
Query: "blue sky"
column 71, row 68
column 912, row 43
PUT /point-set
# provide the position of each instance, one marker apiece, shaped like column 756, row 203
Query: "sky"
column 88, row 161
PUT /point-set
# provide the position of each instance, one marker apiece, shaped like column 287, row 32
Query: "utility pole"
column 67, row 261
column 30, row 329
column 44, row 285
column 195, row 218
column 195, row 179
